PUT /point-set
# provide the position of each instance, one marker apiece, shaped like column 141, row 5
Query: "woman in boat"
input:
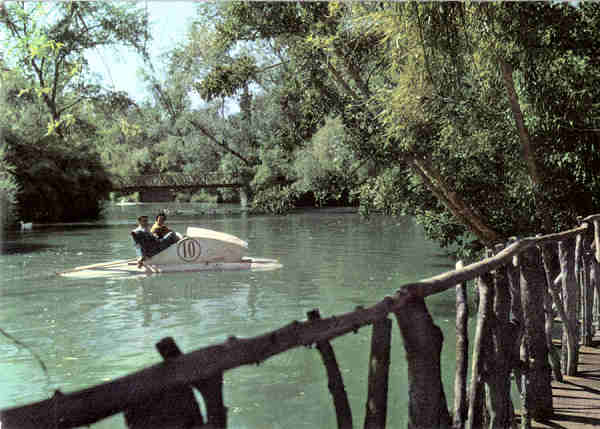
column 159, row 228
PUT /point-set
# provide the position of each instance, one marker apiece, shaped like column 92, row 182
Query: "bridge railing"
column 519, row 285
column 172, row 180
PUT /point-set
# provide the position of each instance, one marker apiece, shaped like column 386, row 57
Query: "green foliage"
column 275, row 200
column 227, row 80
column 420, row 93
column 118, row 197
column 47, row 45
column 55, row 183
column 8, row 189
column 54, row 112
column 201, row 196
column 204, row 197
column 327, row 167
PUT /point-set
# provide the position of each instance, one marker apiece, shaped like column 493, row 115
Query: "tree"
column 48, row 47
column 435, row 96
column 47, row 82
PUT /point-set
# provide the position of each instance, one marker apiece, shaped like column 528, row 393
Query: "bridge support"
column 243, row 198
column 154, row 195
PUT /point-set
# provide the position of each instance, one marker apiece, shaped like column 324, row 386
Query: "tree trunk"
column 455, row 204
column 527, row 147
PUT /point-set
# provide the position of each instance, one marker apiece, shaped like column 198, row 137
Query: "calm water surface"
column 94, row 330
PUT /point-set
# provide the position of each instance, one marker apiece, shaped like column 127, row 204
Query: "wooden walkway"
column 577, row 399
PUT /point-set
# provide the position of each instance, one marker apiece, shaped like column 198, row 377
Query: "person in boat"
column 148, row 244
column 159, row 228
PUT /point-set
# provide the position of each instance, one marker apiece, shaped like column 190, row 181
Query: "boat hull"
column 129, row 268
column 201, row 245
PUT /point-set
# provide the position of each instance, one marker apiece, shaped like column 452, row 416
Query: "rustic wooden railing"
column 521, row 284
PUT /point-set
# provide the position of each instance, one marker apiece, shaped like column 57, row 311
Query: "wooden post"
column 476, row 389
column 462, row 354
column 596, row 266
column 587, row 291
column 514, row 281
column 548, row 328
column 596, row 223
column 212, row 393
column 569, row 355
column 595, row 285
column 176, row 407
column 579, row 281
column 379, row 365
column 549, row 297
column 525, row 415
column 334, row 377
column 427, row 407
column 500, row 365
column 533, row 286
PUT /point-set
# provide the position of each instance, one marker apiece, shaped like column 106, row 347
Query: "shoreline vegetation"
column 447, row 112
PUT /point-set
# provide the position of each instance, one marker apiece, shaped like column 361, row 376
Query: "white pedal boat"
column 199, row 250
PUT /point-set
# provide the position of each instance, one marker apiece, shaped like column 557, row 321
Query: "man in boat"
column 148, row 244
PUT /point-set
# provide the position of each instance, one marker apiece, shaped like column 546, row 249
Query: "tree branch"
column 212, row 138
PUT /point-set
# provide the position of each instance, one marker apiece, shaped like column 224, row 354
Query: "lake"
column 88, row 331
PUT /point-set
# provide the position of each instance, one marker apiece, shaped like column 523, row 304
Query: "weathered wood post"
column 427, row 406
column 462, row 354
column 334, row 378
column 500, row 365
column 587, row 290
column 553, row 354
column 174, row 408
column 480, row 349
column 538, row 380
column 595, row 275
column 550, row 297
column 212, row 393
column 514, row 281
column 570, row 292
column 379, row 365
column 579, row 281
column 595, row 286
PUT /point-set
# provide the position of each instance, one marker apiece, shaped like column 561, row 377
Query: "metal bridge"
column 172, row 182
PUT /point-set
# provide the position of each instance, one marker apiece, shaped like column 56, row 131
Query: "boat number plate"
column 189, row 249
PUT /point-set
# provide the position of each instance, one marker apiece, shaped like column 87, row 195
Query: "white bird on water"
column 26, row 226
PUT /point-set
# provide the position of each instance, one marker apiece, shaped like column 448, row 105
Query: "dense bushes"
column 55, row 183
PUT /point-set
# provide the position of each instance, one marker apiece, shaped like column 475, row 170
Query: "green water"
column 93, row 330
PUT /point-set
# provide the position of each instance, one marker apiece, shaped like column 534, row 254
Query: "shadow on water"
column 12, row 247
column 23, row 242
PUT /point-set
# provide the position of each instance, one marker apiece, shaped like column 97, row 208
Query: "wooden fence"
column 522, row 285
